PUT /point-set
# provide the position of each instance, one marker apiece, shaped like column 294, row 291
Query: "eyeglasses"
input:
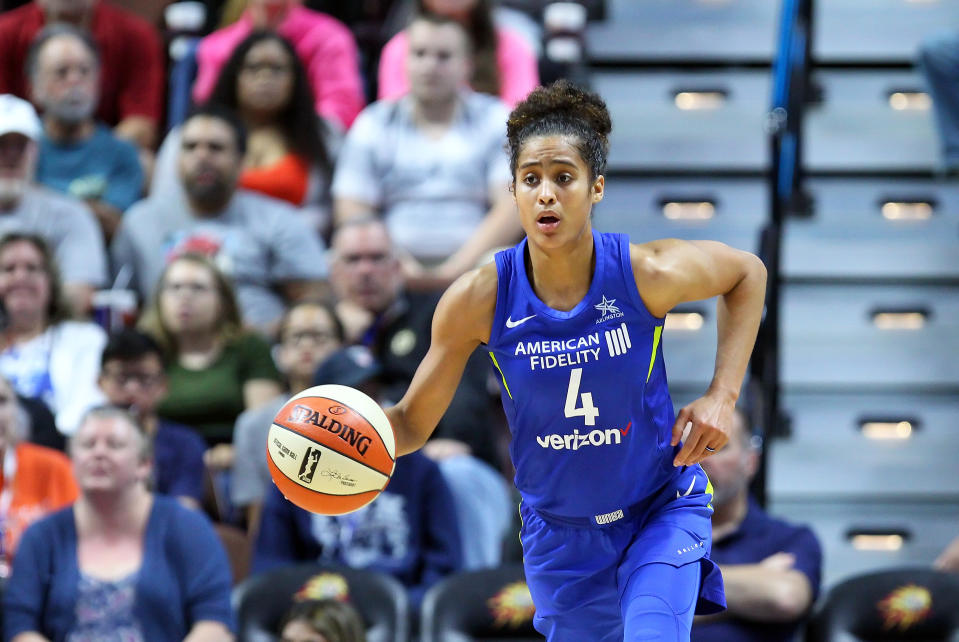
column 376, row 258
column 316, row 336
column 143, row 379
column 271, row 68
column 186, row 288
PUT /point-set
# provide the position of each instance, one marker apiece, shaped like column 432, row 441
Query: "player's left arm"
column 670, row 272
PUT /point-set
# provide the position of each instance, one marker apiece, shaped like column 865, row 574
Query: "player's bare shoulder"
column 467, row 307
column 656, row 267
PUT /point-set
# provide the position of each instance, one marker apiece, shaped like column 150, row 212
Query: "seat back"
column 489, row 604
column 261, row 601
column 895, row 604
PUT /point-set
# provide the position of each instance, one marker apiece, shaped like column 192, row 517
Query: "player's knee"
column 650, row 618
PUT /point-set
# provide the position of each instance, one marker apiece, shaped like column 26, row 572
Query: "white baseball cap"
column 17, row 116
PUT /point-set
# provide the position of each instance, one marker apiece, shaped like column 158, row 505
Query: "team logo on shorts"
column 308, row 468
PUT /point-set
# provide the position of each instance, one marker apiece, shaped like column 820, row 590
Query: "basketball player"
column 616, row 515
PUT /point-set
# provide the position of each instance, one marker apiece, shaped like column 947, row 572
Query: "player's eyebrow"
column 555, row 161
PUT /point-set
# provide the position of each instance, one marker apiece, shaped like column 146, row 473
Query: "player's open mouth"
column 547, row 222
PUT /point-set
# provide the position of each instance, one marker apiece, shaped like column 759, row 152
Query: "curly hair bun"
column 558, row 100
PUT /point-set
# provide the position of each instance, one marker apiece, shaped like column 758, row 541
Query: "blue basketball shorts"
column 638, row 578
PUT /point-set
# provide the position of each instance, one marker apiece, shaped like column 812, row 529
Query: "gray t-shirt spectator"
column 69, row 228
column 251, row 475
column 433, row 192
column 257, row 241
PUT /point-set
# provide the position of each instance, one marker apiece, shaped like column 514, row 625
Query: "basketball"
column 331, row 449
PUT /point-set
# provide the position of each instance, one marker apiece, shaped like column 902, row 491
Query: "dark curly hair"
column 297, row 120
column 562, row 109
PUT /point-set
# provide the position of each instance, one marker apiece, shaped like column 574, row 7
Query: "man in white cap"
column 66, row 224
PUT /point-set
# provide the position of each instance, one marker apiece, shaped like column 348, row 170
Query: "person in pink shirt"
column 504, row 64
column 324, row 44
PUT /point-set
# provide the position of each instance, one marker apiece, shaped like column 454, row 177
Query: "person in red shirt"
column 132, row 78
column 34, row 480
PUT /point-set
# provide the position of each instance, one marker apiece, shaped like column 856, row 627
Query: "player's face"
column 301, row 631
column 554, row 192
column 438, row 63
column 209, row 162
column 106, row 455
column 265, row 83
column 66, row 80
column 365, row 270
column 189, row 301
column 24, row 283
column 136, row 384
column 308, row 339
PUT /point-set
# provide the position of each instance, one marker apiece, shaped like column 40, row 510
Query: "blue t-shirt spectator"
column 758, row 537
column 103, row 167
column 184, row 577
column 178, row 461
column 409, row 531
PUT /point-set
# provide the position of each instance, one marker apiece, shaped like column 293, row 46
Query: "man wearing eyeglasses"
column 132, row 377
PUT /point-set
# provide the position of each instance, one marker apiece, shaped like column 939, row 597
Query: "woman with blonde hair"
column 216, row 369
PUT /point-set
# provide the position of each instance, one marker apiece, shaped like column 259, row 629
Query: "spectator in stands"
column 45, row 354
column 132, row 377
column 325, row 46
column 409, row 532
column 939, row 62
column 79, row 156
column 322, row 621
column 131, row 78
column 35, row 480
column 432, row 162
column 121, row 563
column 215, row 369
column 65, row 223
column 268, row 251
column 309, row 333
column 504, row 65
column 265, row 83
column 771, row 569
column 948, row 560
column 377, row 311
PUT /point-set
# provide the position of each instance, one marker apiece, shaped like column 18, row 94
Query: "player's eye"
column 530, row 179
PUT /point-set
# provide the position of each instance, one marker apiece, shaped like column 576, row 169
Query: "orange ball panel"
column 339, row 427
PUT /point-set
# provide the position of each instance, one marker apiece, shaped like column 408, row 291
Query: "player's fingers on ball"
column 681, row 420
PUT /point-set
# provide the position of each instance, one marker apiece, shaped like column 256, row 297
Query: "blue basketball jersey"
column 585, row 390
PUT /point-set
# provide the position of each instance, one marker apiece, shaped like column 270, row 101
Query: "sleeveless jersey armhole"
column 504, row 269
column 629, row 277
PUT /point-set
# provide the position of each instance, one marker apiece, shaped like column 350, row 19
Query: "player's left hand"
column 709, row 418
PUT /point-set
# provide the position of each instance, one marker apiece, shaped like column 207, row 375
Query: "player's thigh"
column 659, row 602
column 571, row 574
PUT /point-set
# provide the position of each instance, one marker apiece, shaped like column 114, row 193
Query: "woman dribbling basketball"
column 616, row 515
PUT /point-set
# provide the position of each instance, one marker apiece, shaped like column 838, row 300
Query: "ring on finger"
column 710, row 450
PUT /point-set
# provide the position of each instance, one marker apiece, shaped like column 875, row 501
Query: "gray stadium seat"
column 848, row 237
column 827, row 456
column 685, row 31
column 650, row 133
column 831, row 342
column 926, row 528
column 855, row 129
column 638, row 207
column 876, row 31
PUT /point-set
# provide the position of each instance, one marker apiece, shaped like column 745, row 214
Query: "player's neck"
column 561, row 277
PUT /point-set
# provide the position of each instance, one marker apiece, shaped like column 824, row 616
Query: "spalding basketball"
column 331, row 449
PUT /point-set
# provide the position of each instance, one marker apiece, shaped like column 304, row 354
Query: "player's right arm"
column 463, row 319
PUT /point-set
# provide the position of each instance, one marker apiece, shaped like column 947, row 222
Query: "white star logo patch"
column 606, row 306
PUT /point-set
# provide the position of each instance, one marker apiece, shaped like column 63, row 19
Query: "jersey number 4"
column 587, row 411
